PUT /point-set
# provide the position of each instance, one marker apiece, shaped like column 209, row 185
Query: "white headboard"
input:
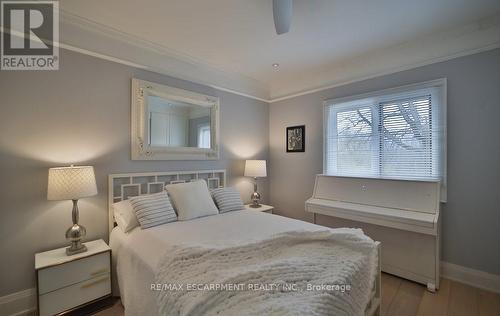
column 124, row 185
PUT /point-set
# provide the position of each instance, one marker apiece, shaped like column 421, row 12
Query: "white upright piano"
column 403, row 215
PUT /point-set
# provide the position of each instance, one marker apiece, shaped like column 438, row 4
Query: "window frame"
column 438, row 90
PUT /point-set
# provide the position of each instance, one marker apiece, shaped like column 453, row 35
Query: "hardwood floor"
column 404, row 298
column 401, row 297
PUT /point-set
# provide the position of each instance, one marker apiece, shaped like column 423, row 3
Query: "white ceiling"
column 238, row 36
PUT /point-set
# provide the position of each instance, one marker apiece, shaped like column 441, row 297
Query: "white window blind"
column 396, row 134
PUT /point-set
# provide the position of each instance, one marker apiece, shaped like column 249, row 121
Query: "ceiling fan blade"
column 282, row 13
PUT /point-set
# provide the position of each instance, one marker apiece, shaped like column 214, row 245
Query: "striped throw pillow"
column 227, row 199
column 153, row 209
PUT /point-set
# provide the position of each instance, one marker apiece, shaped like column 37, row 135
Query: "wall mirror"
column 173, row 124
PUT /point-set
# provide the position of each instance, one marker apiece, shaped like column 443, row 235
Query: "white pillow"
column 191, row 200
column 125, row 216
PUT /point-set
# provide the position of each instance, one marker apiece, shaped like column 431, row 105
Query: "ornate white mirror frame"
column 140, row 146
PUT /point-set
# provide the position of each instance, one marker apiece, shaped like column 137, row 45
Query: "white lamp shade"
column 71, row 183
column 255, row 168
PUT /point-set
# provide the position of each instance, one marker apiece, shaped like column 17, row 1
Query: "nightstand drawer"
column 77, row 294
column 59, row 276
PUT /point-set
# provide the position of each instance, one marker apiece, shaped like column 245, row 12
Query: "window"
column 204, row 136
column 397, row 133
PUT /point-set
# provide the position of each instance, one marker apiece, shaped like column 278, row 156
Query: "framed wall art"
column 296, row 139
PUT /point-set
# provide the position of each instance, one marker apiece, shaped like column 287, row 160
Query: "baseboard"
column 19, row 303
column 24, row 302
column 476, row 278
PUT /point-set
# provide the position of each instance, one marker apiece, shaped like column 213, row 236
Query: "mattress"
column 136, row 254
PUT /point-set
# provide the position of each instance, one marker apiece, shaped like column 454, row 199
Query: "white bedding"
column 138, row 252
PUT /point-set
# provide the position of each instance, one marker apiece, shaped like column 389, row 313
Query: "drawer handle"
column 94, row 282
column 96, row 272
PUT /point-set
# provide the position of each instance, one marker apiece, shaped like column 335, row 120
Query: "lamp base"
column 75, row 234
column 75, row 248
column 254, row 205
column 255, row 198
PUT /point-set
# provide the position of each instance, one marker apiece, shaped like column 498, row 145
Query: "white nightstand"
column 65, row 283
column 262, row 208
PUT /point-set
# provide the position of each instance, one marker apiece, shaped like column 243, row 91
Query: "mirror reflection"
column 178, row 124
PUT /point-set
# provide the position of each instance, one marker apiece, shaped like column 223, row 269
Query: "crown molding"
column 472, row 38
column 386, row 72
column 87, row 37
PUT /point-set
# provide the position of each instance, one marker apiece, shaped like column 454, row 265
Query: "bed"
column 137, row 254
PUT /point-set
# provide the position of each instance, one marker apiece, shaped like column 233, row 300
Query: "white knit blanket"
column 294, row 273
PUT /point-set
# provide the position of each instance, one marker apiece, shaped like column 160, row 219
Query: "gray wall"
column 81, row 114
column 471, row 217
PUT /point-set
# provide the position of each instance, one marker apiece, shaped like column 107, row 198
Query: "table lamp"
column 72, row 183
column 255, row 169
